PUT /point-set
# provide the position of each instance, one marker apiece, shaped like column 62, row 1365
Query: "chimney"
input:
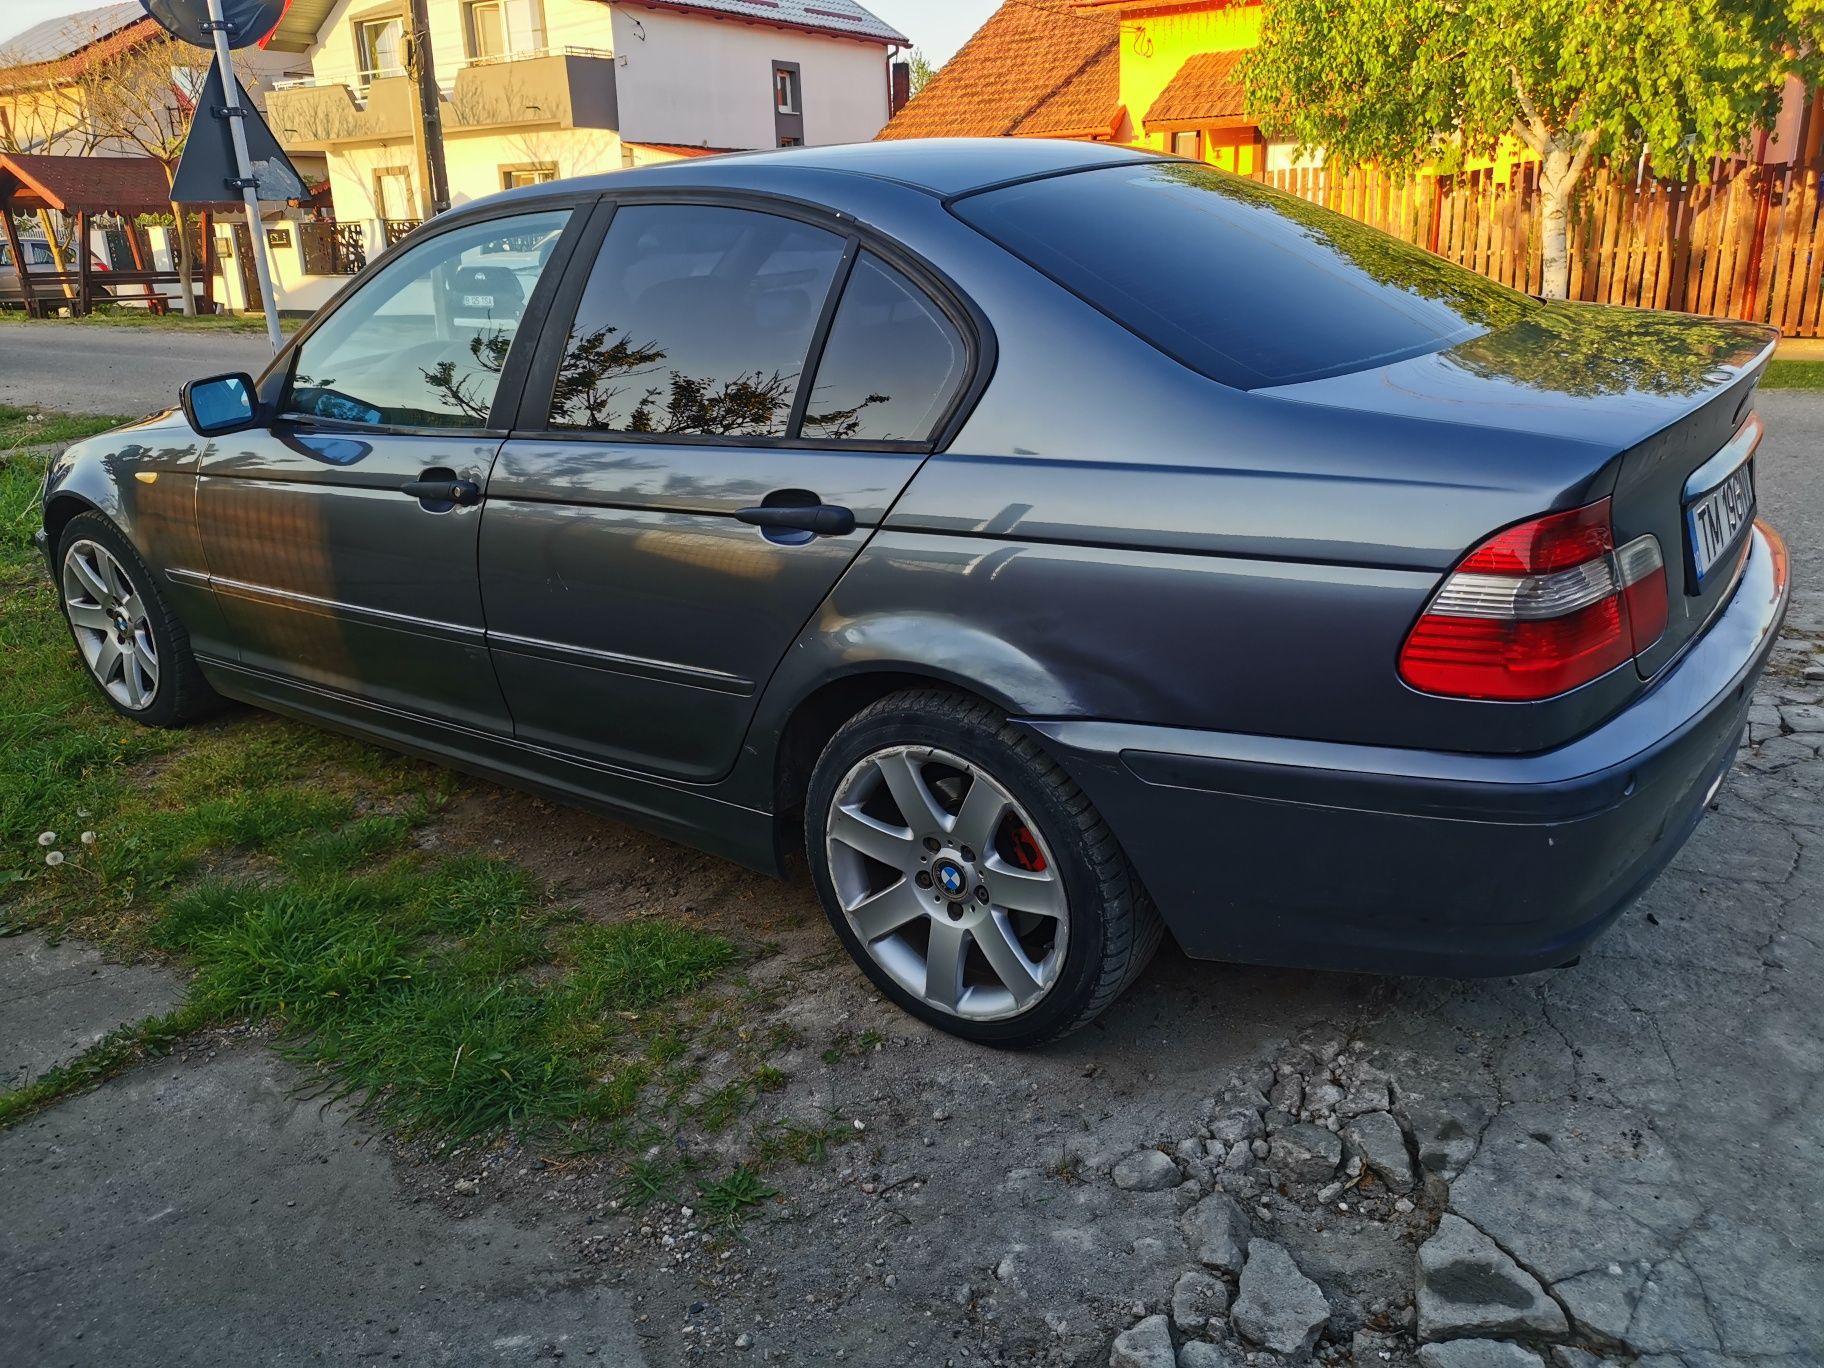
column 900, row 91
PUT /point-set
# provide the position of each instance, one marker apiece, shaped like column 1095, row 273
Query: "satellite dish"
column 252, row 19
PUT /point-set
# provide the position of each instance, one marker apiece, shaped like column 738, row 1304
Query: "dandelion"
column 47, row 838
column 88, row 838
column 54, row 859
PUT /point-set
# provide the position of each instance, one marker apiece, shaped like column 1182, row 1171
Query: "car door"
column 341, row 540
column 682, row 499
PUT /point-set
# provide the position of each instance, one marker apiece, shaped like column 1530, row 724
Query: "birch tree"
column 1412, row 84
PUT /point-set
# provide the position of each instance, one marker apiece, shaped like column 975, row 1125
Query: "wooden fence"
column 1749, row 243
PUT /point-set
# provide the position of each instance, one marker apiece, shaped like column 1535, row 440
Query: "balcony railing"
column 570, row 87
column 534, row 53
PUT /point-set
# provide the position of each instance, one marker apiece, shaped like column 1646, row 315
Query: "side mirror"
column 220, row 404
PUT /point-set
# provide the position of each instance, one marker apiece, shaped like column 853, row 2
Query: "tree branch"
column 1529, row 109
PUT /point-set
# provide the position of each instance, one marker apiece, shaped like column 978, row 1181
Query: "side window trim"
column 532, row 419
column 274, row 383
column 820, row 337
column 532, row 412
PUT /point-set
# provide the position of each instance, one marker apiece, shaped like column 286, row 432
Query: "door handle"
column 822, row 520
column 464, row 492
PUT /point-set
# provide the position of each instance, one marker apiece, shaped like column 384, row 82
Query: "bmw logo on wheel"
column 950, row 879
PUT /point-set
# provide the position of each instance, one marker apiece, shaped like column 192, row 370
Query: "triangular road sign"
column 206, row 174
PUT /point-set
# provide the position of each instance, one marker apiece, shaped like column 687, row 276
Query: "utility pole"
column 430, row 107
column 250, row 194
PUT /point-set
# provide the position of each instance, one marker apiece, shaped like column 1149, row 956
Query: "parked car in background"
column 1058, row 545
column 39, row 261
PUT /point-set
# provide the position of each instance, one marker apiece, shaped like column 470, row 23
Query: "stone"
column 1478, row 1353
column 1288, row 1094
column 1203, row 1354
column 1278, row 1307
column 1260, row 1149
column 1369, row 1347
column 1232, row 1124
column 1377, row 1137
column 1447, row 1130
column 1468, row 1286
column 1147, row 1171
column 1322, row 1098
column 1803, row 717
column 1145, row 1345
column 1306, row 1153
column 1198, row 1299
column 1564, row 1356
column 1217, row 1232
column 1367, row 1095
column 1240, row 1155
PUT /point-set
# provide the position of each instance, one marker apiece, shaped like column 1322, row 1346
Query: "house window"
column 380, row 46
column 393, row 195
column 791, row 142
column 1188, row 145
column 785, row 90
column 512, row 177
column 487, row 29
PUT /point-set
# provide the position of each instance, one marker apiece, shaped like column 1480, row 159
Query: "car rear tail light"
column 1539, row 609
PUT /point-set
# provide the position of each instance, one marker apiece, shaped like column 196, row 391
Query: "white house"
column 536, row 89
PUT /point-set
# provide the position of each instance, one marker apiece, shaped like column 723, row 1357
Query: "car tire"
column 893, row 818
column 136, row 651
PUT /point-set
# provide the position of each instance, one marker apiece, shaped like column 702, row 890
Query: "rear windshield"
column 1248, row 285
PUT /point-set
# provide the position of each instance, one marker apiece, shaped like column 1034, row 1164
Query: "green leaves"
column 1407, row 83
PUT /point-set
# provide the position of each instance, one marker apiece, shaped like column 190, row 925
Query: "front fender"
column 142, row 478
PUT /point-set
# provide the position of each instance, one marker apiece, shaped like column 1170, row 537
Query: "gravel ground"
column 1613, row 1162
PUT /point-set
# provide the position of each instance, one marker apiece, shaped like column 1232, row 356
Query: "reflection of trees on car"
column 1380, row 256
column 1586, row 349
column 597, row 364
column 1582, row 349
column 458, row 389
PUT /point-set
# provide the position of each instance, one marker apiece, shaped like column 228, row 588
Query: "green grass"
column 445, row 995
column 728, row 1200
column 21, row 428
column 107, row 316
column 1794, row 375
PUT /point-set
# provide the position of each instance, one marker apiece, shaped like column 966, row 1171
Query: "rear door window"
column 1248, row 285
column 696, row 321
column 893, row 363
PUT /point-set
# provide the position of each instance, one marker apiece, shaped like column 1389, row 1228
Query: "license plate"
column 1717, row 520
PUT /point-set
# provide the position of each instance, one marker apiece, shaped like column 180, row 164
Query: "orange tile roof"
column 685, row 149
column 1087, row 104
column 1036, row 62
column 1205, row 90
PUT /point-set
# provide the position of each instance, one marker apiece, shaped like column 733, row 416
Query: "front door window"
column 424, row 342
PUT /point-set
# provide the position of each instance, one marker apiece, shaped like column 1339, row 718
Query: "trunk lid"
column 1662, row 394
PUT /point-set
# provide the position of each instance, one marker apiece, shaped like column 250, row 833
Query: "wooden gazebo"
column 84, row 187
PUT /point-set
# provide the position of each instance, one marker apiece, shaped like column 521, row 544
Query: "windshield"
column 1248, row 285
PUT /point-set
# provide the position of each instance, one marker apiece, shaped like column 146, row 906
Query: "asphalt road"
column 132, row 371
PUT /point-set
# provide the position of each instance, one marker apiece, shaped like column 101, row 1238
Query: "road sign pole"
column 243, row 167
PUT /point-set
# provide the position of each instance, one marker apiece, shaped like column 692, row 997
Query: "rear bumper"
column 1319, row 855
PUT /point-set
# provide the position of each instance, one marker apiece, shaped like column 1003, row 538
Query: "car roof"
column 943, row 167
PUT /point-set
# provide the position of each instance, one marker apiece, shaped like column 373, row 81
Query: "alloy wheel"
column 109, row 619
column 946, row 880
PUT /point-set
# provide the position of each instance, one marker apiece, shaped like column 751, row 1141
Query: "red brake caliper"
column 1024, row 850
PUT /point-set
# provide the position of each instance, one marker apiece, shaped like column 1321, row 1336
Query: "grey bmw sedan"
column 1055, row 546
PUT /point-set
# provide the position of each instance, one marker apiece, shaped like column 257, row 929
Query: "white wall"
column 706, row 81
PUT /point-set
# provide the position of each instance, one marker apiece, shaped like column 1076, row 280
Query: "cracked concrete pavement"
column 1641, row 1134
